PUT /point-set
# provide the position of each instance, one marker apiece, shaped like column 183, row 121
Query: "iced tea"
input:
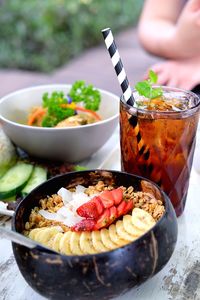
column 158, row 140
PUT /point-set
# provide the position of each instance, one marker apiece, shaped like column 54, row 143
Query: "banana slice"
column 97, row 242
column 56, row 242
column 142, row 219
column 75, row 243
column 34, row 231
column 122, row 233
column 44, row 236
column 51, row 241
column 86, row 243
column 115, row 237
column 105, row 237
column 130, row 228
column 64, row 245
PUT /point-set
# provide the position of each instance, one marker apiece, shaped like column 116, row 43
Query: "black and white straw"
column 118, row 66
column 128, row 96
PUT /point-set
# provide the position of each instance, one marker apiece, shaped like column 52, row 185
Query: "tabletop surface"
column 179, row 279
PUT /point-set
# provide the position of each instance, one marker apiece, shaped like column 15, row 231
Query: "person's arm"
column 157, row 25
column 187, row 31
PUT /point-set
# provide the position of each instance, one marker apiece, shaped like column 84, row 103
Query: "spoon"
column 6, row 212
column 22, row 240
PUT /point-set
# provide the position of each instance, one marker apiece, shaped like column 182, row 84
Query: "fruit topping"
column 102, row 210
column 84, row 225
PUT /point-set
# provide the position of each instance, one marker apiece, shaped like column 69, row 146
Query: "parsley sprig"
column 145, row 88
column 55, row 103
column 55, row 112
column 87, row 94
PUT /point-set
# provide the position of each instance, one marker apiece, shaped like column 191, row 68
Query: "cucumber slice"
column 38, row 176
column 14, row 180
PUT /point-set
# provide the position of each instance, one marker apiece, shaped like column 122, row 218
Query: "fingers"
column 157, row 68
column 163, row 78
column 162, row 71
column 174, row 74
column 173, row 82
column 187, row 84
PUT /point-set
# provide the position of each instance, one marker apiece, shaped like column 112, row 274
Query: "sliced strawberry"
column 113, row 214
column 84, row 225
column 117, row 195
column 103, row 220
column 88, row 210
column 107, row 199
column 129, row 206
column 99, row 205
column 121, row 208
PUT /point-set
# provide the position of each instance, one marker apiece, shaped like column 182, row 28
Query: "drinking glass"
column 159, row 145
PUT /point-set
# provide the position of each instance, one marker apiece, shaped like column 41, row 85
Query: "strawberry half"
column 117, row 195
column 113, row 214
column 106, row 199
column 129, row 206
column 103, row 220
column 99, row 205
column 121, row 208
column 88, row 210
column 84, row 225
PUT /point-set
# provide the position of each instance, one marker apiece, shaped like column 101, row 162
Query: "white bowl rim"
column 38, row 87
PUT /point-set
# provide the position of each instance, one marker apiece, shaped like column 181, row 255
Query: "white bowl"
column 70, row 144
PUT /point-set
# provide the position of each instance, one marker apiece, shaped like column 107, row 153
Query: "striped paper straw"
column 127, row 93
column 118, row 66
column 125, row 86
column 143, row 149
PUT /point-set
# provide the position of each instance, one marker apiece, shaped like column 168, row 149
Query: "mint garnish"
column 146, row 89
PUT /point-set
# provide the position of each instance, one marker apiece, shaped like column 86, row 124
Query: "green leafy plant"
column 57, row 102
column 79, row 168
column 49, row 33
column 55, row 112
column 145, row 88
column 87, row 94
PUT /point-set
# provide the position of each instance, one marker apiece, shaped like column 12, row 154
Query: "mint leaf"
column 156, row 92
column 153, row 77
column 143, row 88
column 146, row 89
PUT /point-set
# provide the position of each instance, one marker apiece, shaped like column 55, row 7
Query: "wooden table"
column 179, row 280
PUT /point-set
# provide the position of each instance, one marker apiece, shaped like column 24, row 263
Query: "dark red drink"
column 158, row 141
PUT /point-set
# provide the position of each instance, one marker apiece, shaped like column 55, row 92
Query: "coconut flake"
column 65, row 195
column 80, row 188
column 72, row 219
column 63, row 211
column 78, row 200
column 51, row 216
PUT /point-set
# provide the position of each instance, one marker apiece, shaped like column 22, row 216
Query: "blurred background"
column 61, row 41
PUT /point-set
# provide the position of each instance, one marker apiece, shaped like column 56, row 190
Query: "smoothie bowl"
column 111, row 232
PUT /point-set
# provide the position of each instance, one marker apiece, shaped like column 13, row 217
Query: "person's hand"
column 187, row 30
column 184, row 73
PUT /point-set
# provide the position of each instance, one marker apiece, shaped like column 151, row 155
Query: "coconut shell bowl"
column 95, row 276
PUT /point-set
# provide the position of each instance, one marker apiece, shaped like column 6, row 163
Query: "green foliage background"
column 43, row 34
